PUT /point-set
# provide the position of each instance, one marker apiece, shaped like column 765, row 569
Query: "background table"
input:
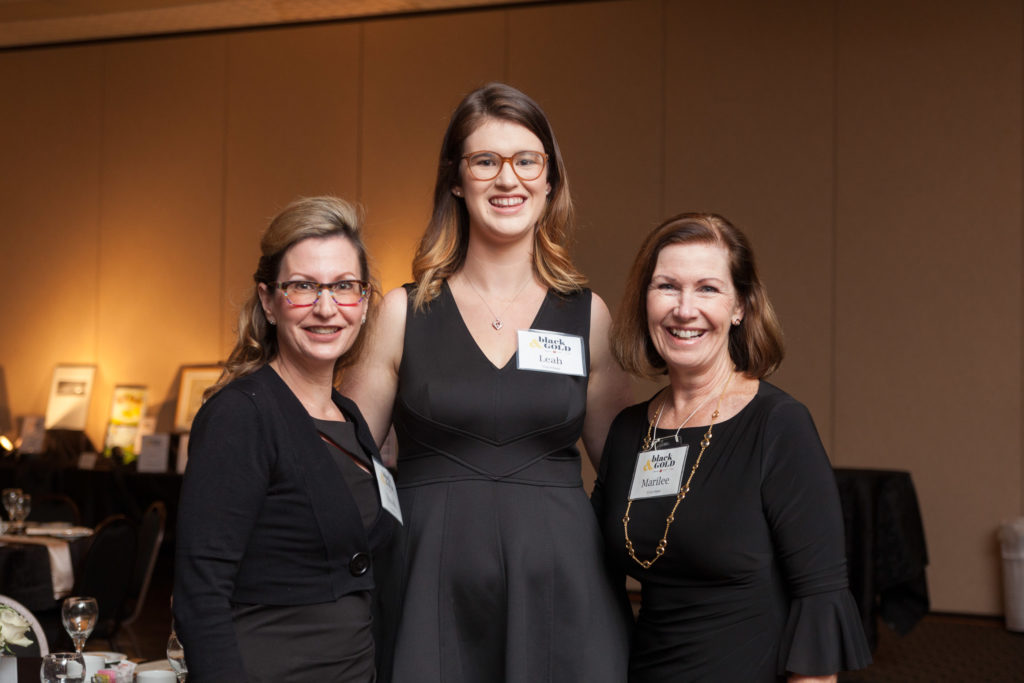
column 885, row 548
column 25, row 573
column 98, row 493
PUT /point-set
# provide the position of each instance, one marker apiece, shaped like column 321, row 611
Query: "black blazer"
column 265, row 518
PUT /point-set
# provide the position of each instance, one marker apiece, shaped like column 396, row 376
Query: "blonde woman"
column 281, row 511
column 491, row 365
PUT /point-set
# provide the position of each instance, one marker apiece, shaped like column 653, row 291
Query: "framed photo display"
column 195, row 379
column 68, row 406
column 127, row 408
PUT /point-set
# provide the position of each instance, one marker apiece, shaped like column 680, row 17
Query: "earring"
column 270, row 319
column 737, row 321
column 457, row 192
column 364, row 319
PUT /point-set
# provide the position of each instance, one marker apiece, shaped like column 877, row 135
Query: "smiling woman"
column 285, row 500
column 716, row 494
column 492, row 365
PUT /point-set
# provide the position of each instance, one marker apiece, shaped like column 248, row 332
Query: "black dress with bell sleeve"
column 753, row 582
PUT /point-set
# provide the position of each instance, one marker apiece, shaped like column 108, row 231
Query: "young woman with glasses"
column 491, row 366
column 284, row 500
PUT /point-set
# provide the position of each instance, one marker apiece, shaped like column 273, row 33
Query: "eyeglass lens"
column 487, row 165
column 344, row 292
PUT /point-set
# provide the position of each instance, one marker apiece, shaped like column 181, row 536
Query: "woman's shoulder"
column 782, row 414
column 775, row 400
column 250, row 386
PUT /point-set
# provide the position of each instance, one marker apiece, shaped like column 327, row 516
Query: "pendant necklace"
column 496, row 322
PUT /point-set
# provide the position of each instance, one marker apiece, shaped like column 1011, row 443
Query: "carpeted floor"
column 946, row 649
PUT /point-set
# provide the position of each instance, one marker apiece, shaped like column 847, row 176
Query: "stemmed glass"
column 63, row 667
column 176, row 657
column 9, row 497
column 19, row 511
column 79, row 616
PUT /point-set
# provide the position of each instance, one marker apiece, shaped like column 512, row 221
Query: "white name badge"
column 658, row 473
column 550, row 352
column 388, row 490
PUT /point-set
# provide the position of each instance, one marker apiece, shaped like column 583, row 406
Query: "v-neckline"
column 476, row 345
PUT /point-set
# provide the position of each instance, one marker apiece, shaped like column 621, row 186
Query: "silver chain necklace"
column 496, row 322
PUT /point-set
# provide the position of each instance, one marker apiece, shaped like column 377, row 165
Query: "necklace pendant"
column 497, row 325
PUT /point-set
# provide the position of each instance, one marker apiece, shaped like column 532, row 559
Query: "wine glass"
column 9, row 497
column 79, row 616
column 176, row 657
column 63, row 667
column 22, row 505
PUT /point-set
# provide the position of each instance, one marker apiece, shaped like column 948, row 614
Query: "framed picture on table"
column 68, row 407
column 195, row 379
column 127, row 408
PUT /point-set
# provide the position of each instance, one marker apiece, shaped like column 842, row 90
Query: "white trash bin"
column 1011, row 538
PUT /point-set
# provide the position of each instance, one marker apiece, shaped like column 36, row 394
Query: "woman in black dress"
column 492, row 365
column 716, row 494
column 284, row 499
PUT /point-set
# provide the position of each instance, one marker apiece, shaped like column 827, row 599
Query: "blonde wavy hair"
column 442, row 249
column 306, row 218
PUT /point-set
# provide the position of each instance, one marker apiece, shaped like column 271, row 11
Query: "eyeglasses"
column 487, row 165
column 303, row 293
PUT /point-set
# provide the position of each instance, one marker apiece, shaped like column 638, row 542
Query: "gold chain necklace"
column 496, row 323
column 663, row 543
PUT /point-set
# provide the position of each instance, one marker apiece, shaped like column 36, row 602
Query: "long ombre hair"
column 307, row 218
column 442, row 249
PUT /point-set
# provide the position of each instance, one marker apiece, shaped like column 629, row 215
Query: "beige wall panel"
column 606, row 106
column 49, row 134
column 749, row 134
column 162, row 189
column 416, row 72
column 292, row 130
column 606, row 110
column 928, row 273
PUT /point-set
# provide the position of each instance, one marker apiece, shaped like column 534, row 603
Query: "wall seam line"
column 834, row 251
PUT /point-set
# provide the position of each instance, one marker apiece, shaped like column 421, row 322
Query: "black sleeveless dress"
column 502, row 575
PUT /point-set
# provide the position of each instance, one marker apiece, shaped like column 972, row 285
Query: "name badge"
column 388, row 490
column 658, row 472
column 550, row 352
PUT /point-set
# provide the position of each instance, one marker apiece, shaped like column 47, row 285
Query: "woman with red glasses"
column 285, row 499
column 491, row 365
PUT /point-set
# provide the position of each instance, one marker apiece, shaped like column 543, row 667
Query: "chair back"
column 151, row 535
column 54, row 507
column 106, row 571
column 35, row 633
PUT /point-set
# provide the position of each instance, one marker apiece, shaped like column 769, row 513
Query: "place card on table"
column 33, row 432
column 154, row 452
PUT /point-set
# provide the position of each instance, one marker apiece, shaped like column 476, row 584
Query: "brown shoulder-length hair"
column 442, row 249
column 755, row 345
column 306, row 218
